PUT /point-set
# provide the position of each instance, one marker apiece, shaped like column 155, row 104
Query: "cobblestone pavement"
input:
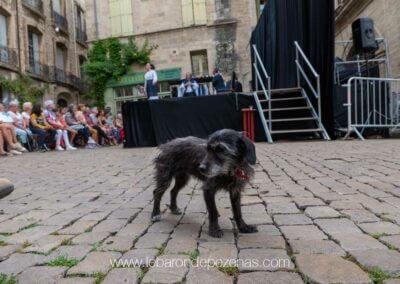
column 327, row 212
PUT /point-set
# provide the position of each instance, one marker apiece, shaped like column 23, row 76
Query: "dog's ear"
column 247, row 147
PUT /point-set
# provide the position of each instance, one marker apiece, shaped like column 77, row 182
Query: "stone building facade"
column 192, row 35
column 45, row 39
column 386, row 18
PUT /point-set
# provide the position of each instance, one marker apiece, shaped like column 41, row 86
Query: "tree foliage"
column 24, row 88
column 109, row 59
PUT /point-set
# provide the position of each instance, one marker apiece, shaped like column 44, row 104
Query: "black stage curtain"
column 138, row 126
column 152, row 123
column 311, row 23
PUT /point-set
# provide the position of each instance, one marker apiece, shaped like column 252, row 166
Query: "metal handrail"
column 300, row 70
column 266, row 90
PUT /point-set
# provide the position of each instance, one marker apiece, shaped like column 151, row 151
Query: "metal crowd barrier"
column 372, row 103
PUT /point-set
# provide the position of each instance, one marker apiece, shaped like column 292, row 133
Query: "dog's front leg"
column 235, row 197
column 213, row 228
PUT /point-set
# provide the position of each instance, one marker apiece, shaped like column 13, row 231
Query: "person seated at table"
column 189, row 86
column 42, row 128
column 21, row 127
column 218, row 81
column 234, row 84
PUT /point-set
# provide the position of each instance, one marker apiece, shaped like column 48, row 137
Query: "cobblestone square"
column 327, row 212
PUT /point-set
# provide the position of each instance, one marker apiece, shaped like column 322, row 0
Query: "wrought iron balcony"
column 36, row 5
column 81, row 36
column 9, row 56
column 61, row 22
column 38, row 69
column 60, row 76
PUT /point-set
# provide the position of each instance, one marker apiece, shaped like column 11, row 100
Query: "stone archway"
column 64, row 99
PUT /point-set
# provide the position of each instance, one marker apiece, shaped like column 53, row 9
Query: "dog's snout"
column 203, row 168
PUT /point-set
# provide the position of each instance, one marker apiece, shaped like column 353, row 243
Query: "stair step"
column 283, row 99
column 287, row 109
column 297, row 131
column 294, row 119
column 281, row 91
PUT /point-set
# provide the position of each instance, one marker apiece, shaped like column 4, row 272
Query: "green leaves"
column 24, row 88
column 110, row 59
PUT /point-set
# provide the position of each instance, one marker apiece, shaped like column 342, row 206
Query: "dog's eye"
column 219, row 149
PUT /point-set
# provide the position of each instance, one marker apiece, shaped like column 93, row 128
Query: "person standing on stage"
column 189, row 87
column 150, row 82
column 218, row 82
column 234, row 84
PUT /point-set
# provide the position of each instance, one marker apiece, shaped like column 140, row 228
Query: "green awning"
column 138, row 77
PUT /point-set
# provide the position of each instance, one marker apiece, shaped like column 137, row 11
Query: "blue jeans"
column 23, row 134
column 43, row 134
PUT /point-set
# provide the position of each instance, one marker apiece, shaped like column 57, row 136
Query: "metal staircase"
column 288, row 111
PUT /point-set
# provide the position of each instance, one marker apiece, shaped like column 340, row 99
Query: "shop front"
column 130, row 87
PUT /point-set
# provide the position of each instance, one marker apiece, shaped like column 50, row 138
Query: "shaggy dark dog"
column 222, row 162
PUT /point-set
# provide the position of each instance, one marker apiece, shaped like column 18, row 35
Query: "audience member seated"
column 91, row 120
column 72, row 122
column 60, row 116
column 189, row 87
column 27, row 111
column 42, row 128
column 8, row 130
column 80, row 117
column 102, row 122
column 62, row 132
column 119, row 125
column 21, row 126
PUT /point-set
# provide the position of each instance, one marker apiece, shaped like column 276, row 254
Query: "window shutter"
column 200, row 13
column 115, row 17
column 3, row 31
column 57, row 6
column 187, row 13
column 126, row 17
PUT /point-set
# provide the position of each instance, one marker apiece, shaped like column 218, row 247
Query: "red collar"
column 239, row 173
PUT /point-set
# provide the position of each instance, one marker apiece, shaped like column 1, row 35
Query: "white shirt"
column 189, row 89
column 17, row 117
column 5, row 117
column 26, row 116
column 151, row 75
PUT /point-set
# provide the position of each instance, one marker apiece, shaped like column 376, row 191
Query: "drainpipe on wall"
column 96, row 21
column 18, row 38
column 75, row 49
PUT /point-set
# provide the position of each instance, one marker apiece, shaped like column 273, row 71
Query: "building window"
column 194, row 12
column 260, row 5
column 58, row 7
column 199, row 63
column 34, row 52
column 121, row 17
column 80, row 25
column 61, row 59
column 3, row 39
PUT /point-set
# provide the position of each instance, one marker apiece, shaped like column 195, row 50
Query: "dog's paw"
column 216, row 233
column 176, row 211
column 155, row 218
column 248, row 229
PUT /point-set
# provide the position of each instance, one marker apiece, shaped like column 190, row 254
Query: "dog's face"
column 226, row 151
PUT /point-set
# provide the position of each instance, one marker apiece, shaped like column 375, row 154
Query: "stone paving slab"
column 355, row 185
column 95, row 262
column 330, row 269
column 41, row 274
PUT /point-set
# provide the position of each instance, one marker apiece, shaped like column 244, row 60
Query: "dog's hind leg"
column 180, row 182
column 162, row 186
column 235, row 197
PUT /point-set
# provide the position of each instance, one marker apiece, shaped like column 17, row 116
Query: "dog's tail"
column 163, row 168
